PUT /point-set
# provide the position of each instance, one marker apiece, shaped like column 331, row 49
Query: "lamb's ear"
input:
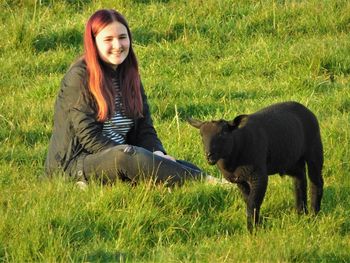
column 238, row 122
column 195, row 123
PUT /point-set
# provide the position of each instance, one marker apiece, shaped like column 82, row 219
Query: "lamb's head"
column 216, row 137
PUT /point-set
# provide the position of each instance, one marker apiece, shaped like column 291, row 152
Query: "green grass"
column 205, row 59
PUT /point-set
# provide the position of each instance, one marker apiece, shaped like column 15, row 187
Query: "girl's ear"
column 195, row 123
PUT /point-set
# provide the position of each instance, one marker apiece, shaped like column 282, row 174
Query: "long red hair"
column 99, row 84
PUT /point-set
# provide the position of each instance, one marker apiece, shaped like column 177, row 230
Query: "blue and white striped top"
column 119, row 125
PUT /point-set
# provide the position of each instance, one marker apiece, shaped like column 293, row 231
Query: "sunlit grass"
column 203, row 59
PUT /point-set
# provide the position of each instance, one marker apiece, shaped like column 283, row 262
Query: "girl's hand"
column 159, row 153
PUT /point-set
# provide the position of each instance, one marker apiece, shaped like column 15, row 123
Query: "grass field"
column 205, row 59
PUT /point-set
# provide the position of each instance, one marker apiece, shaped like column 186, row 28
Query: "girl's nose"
column 116, row 43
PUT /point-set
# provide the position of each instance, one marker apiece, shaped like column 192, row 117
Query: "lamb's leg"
column 245, row 190
column 300, row 191
column 315, row 164
column 258, row 185
column 315, row 176
column 300, row 186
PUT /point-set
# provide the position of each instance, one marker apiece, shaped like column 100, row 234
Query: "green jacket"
column 76, row 130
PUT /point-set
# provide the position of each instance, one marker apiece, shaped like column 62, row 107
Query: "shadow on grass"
column 27, row 138
column 72, row 38
column 31, row 138
column 149, row 1
column 145, row 36
column 201, row 109
column 237, row 95
column 318, row 257
column 186, row 111
column 25, row 153
column 77, row 5
column 105, row 256
column 345, row 106
column 332, row 198
column 81, row 234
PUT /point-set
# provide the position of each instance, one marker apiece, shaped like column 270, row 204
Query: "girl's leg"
column 188, row 164
column 135, row 163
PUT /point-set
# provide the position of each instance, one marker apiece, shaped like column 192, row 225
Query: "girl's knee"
column 127, row 153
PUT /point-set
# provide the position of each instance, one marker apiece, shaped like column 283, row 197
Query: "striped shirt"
column 118, row 125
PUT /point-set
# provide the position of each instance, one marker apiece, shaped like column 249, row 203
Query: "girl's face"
column 113, row 44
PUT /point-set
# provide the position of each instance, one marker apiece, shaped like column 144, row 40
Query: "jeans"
column 132, row 163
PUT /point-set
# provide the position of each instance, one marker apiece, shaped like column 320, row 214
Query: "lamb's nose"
column 211, row 158
column 209, row 155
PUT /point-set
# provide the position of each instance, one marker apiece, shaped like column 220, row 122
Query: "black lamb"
column 281, row 138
